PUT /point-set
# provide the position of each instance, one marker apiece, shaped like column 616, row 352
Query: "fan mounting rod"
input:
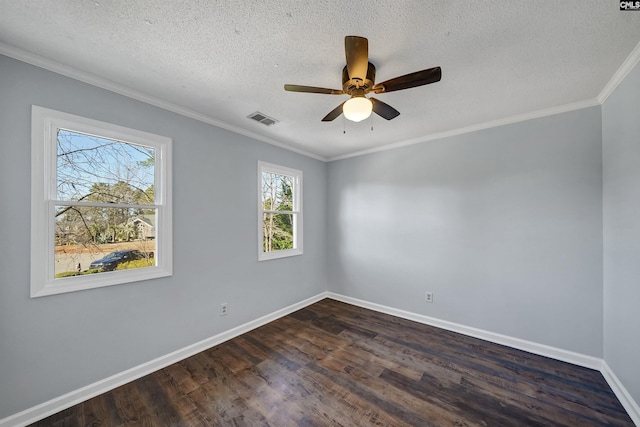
column 348, row 84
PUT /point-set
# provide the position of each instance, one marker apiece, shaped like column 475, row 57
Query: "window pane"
column 121, row 238
column 277, row 232
column 277, row 192
column 104, row 170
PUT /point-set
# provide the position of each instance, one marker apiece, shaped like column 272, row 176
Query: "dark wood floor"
column 334, row 364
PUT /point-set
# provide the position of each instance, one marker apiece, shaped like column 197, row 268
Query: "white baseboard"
column 63, row 402
column 540, row 349
column 58, row 404
column 621, row 392
column 531, row 347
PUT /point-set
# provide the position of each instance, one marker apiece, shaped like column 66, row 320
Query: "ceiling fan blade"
column 419, row 78
column 357, row 52
column 384, row 110
column 312, row 89
column 334, row 113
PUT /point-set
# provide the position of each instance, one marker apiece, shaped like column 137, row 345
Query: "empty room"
column 295, row 213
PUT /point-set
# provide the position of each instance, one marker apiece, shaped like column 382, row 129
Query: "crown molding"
column 630, row 62
column 71, row 72
column 473, row 128
column 626, row 67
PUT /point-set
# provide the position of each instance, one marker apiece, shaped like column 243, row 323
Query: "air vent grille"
column 262, row 118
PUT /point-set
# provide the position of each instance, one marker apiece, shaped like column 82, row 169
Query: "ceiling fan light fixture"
column 357, row 108
column 358, row 79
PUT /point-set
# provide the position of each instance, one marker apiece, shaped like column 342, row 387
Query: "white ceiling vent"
column 262, row 118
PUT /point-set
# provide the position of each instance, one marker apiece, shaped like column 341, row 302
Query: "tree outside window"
column 101, row 212
column 94, row 174
column 280, row 213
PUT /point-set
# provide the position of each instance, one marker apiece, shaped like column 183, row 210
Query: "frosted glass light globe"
column 357, row 108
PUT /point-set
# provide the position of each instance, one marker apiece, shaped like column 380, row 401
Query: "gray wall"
column 56, row 344
column 621, row 171
column 504, row 225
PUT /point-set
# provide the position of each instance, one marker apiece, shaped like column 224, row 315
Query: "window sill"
column 266, row 256
column 98, row 280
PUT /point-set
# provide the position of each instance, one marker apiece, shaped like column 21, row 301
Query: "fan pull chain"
column 344, row 127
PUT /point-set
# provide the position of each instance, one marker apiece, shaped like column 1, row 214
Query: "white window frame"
column 45, row 124
column 297, row 212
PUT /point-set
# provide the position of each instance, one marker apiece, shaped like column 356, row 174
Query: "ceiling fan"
column 358, row 79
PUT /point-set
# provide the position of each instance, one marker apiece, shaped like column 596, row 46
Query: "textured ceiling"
column 223, row 60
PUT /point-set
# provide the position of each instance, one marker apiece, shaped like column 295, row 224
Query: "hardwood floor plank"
column 334, row 364
column 350, row 409
column 431, row 410
column 292, row 388
column 130, row 405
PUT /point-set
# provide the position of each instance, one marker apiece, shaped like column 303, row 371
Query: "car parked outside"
column 112, row 260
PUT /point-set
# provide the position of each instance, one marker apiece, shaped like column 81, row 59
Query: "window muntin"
column 280, row 211
column 97, row 189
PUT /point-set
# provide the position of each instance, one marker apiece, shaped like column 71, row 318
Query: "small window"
column 280, row 211
column 101, row 211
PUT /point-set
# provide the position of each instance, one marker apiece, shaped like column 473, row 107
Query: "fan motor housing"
column 350, row 84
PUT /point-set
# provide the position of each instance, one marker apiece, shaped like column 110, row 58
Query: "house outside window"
column 280, row 211
column 101, row 204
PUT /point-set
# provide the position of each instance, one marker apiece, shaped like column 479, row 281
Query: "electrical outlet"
column 428, row 296
column 223, row 309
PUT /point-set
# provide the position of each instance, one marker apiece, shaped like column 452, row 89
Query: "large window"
column 101, row 204
column 280, row 211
